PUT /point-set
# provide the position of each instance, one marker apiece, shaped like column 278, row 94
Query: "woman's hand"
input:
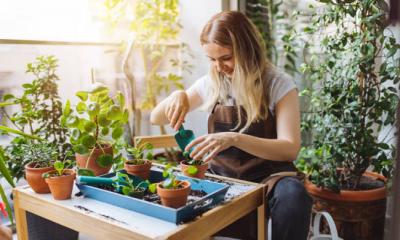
column 211, row 145
column 177, row 108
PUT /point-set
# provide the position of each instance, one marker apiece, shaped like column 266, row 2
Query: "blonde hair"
column 249, row 86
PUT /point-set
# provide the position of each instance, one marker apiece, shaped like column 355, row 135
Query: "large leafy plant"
column 38, row 115
column 97, row 122
column 354, row 93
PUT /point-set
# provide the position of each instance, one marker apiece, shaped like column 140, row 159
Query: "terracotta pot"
column 174, row 198
column 357, row 214
column 142, row 170
column 34, row 177
column 82, row 159
column 201, row 170
column 61, row 187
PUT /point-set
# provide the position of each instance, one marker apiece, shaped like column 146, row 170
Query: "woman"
column 254, row 123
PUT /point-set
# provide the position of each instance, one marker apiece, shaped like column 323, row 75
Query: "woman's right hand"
column 176, row 109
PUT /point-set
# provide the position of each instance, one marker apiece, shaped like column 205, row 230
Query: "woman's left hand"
column 211, row 145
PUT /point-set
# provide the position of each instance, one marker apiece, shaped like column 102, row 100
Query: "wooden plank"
column 219, row 217
column 20, row 217
column 161, row 141
column 75, row 220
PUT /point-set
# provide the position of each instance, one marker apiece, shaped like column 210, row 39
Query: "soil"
column 367, row 183
column 194, row 195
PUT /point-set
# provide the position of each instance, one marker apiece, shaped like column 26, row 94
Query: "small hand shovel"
column 94, row 181
column 183, row 138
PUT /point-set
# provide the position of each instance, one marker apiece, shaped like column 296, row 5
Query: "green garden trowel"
column 183, row 138
column 115, row 182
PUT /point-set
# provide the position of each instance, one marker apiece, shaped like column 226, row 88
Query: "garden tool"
column 183, row 138
column 115, row 182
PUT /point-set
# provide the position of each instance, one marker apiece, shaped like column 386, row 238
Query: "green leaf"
column 126, row 190
column 89, row 141
column 103, row 121
column 117, row 133
column 153, row 187
column 114, row 113
column 81, row 149
column 72, row 121
column 86, row 172
column 3, row 169
column 99, row 89
column 81, row 107
column 4, row 104
column 59, row 167
column 14, row 131
column 192, row 170
column 8, row 97
column 27, row 85
column 104, row 160
column 67, row 108
column 105, row 131
column 82, row 95
column 75, row 134
column 121, row 99
column 93, row 109
column 89, row 126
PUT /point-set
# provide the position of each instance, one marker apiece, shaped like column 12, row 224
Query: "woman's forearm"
column 157, row 116
column 271, row 149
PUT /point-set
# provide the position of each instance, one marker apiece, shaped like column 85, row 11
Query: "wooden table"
column 88, row 216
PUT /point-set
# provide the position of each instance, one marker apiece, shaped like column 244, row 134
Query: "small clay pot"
column 174, row 198
column 34, row 177
column 142, row 170
column 61, row 186
column 97, row 170
column 201, row 170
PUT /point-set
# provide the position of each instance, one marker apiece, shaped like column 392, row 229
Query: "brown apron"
column 236, row 163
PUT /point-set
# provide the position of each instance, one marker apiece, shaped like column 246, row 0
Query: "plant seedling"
column 140, row 153
column 170, row 181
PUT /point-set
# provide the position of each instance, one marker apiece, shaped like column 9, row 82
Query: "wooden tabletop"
column 105, row 221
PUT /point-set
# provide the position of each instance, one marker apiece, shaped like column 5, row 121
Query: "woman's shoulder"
column 280, row 83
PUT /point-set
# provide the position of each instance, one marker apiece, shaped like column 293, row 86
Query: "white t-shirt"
column 281, row 84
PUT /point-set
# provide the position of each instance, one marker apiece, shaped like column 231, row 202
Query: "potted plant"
column 193, row 168
column 353, row 97
column 95, row 128
column 40, row 158
column 129, row 188
column 60, row 180
column 38, row 118
column 173, row 192
column 137, row 164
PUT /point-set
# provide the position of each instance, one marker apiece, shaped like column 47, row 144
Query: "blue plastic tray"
column 215, row 194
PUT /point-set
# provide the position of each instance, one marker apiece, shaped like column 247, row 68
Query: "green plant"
column 170, row 181
column 277, row 27
column 98, row 121
column 156, row 29
column 60, row 168
column 138, row 153
column 354, row 93
column 129, row 187
column 192, row 169
column 39, row 115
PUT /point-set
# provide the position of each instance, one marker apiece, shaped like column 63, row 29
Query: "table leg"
column 261, row 222
column 20, row 218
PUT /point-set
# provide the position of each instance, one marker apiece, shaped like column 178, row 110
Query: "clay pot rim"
column 147, row 162
column 29, row 167
column 348, row 195
column 70, row 172
column 187, row 185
